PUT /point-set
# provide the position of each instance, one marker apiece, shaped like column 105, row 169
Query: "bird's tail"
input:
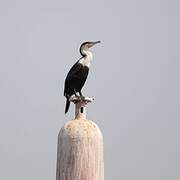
column 67, row 105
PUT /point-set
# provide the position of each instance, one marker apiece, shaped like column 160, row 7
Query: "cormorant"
column 77, row 75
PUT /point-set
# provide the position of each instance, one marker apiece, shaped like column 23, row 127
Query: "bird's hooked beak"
column 93, row 43
column 96, row 42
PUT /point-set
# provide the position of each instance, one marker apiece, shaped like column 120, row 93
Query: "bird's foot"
column 76, row 98
column 80, row 99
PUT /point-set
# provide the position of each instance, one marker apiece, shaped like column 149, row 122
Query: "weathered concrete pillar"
column 80, row 147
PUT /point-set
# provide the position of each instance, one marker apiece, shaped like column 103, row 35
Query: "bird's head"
column 86, row 46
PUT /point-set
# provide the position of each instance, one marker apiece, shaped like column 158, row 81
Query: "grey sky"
column 134, row 79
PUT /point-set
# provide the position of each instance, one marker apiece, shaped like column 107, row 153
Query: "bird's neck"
column 85, row 52
column 86, row 59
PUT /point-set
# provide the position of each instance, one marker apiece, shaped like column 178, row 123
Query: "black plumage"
column 77, row 75
column 74, row 81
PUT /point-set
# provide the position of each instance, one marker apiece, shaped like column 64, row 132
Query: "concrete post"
column 80, row 147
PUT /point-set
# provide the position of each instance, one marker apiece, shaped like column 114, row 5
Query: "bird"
column 78, row 73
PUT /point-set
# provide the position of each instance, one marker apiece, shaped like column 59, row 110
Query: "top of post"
column 80, row 105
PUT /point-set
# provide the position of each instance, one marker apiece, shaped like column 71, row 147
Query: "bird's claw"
column 80, row 98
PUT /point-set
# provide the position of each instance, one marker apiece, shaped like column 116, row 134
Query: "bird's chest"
column 86, row 61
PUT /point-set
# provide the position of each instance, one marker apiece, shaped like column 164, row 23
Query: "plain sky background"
column 134, row 79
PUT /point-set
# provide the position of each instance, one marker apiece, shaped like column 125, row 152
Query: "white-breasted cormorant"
column 77, row 75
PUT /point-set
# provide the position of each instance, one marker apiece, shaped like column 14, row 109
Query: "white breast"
column 86, row 61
